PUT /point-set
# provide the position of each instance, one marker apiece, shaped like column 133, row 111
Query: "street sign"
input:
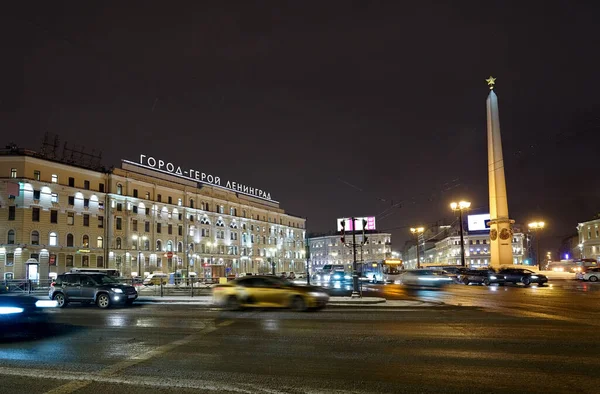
column 169, row 255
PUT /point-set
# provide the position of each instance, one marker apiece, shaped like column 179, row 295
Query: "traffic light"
column 364, row 229
column 343, row 224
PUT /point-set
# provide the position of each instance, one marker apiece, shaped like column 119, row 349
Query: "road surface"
column 493, row 342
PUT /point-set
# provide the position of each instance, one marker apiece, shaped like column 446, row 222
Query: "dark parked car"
column 484, row 277
column 98, row 288
column 521, row 275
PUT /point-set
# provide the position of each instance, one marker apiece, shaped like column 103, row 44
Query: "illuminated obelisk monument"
column 501, row 252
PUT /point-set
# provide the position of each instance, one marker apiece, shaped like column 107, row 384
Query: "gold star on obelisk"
column 491, row 81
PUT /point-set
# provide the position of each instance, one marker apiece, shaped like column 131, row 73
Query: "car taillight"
column 52, row 284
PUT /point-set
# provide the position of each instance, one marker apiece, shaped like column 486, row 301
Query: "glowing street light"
column 535, row 227
column 416, row 231
column 460, row 206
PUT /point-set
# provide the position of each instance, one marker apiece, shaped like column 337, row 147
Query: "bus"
column 385, row 271
column 108, row 271
column 392, row 269
column 571, row 265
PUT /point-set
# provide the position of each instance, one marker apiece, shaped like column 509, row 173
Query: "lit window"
column 13, row 172
column 54, row 178
column 35, row 238
column 53, row 240
column 99, row 242
column 54, row 197
column 11, row 237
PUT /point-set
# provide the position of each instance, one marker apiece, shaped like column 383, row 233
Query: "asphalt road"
column 494, row 342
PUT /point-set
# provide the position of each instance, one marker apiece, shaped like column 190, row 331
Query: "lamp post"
column 460, row 206
column 535, row 227
column 416, row 231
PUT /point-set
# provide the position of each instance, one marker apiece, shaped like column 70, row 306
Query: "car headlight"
column 46, row 304
column 347, row 277
column 493, row 277
column 336, row 277
column 117, row 290
column 534, row 276
column 10, row 310
column 317, row 294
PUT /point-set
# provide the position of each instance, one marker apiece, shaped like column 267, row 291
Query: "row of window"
column 589, row 233
column 53, row 239
column 69, row 259
column 204, row 206
column 35, row 217
column 37, row 175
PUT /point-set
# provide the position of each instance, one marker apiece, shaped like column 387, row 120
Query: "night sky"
column 336, row 108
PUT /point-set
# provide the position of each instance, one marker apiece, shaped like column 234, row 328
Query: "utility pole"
column 307, row 253
column 355, row 287
column 355, row 290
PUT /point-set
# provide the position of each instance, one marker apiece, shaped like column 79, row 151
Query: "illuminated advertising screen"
column 479, row 222
column 359, row 223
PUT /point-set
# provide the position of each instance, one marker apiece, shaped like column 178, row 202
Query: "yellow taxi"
column 268, row 291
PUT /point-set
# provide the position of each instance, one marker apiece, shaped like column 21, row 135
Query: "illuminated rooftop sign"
column 479, row 222
column 359, row 223
column 191, row 174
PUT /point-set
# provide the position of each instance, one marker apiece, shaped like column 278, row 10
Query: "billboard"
column 359, row 223
column 479, row 222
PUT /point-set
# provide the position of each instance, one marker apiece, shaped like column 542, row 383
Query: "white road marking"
column 81, row 380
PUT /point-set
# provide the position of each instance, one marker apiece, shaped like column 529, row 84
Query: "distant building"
column 328, row 249
column 589, row 239
column 446, row 250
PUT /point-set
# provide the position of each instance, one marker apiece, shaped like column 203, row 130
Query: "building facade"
column 477, row 251
column 56, row 216
column 329, row 249
column 589, row 239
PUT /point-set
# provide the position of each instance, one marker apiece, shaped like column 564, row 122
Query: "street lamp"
column 460, row 206
column 535, row 227
column 416, row 231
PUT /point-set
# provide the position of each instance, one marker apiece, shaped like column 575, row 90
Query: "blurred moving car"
column 99, row 288
column 522, row 275
column 156, row 279
column 454, row 272
column 325, row 272
column 425, row 277
column 340, row 276
column 591, row 274
column 268, row 291
column 21, row 311
column 482, row 276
